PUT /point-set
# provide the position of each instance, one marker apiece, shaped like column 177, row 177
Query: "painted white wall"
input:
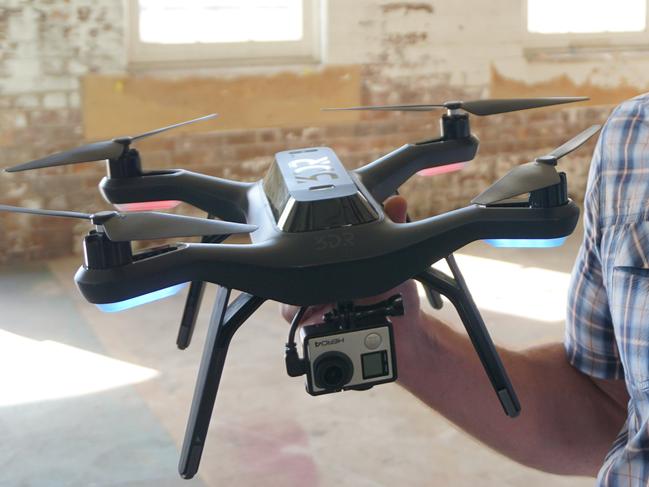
column 442, row 41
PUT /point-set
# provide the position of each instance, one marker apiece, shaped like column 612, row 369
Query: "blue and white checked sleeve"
column 589, row 337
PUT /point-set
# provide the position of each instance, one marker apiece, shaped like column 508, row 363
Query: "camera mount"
column 347, row 315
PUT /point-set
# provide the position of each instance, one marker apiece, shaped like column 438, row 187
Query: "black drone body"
column 318, row 235
column 321, row 237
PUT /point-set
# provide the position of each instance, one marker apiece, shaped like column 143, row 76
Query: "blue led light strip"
column 143, row 299
column 535, row 243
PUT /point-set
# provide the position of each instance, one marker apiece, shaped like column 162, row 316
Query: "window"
column 586, row 16
column 600, row 24
column 203, row 32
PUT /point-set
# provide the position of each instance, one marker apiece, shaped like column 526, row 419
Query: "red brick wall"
column 506, row 140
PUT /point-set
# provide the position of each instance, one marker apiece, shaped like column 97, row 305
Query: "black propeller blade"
column 570, row 146
column 476, row 107
column 534, row 175
column 145, row 225
column 97, row 151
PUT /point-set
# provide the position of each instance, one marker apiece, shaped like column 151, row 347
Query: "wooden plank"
column 118, row 105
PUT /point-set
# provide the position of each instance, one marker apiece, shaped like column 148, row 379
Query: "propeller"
column 476, row 107
column 124, row 227
column 534, row 175
column 97, row 151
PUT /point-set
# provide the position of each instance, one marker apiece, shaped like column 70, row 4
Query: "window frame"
column 572, row 42
column 144, row 55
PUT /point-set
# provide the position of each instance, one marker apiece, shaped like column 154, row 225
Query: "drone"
column 318, row 234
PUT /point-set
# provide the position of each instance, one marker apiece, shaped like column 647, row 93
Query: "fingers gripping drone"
column 318, row 235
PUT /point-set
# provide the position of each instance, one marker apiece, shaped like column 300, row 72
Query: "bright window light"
column 217, row 21
column 508, row 288
column 33, row 370
column 586, row 16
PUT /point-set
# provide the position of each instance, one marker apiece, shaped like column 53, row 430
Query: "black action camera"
column 352, row 349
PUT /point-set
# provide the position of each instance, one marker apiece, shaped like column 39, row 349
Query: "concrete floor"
column 116, row 416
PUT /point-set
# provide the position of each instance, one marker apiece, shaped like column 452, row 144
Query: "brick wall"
column 408, row 52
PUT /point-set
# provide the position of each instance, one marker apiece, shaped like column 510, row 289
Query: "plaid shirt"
column 607, row 333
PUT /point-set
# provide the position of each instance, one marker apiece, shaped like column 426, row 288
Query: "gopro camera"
column 352, row 349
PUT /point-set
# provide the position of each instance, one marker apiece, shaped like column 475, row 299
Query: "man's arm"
column 568, row 420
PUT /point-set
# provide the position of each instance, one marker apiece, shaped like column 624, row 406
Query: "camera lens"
column 333, row 375
column 332, row 370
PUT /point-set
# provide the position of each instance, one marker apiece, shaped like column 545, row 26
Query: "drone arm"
column 457, row 292
column 221, row 197
column 224, row 264
column 385, row 175
column 445, row 233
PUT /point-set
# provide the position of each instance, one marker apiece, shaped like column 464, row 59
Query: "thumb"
column 396, row 208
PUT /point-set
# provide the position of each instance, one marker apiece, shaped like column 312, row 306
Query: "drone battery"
column 310, row 190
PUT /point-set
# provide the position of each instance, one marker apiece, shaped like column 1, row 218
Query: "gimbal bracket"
column 225, row 321
column 456, row 290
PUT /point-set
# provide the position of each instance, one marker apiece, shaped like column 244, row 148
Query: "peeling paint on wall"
column 502, row 86
column 407, row 7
